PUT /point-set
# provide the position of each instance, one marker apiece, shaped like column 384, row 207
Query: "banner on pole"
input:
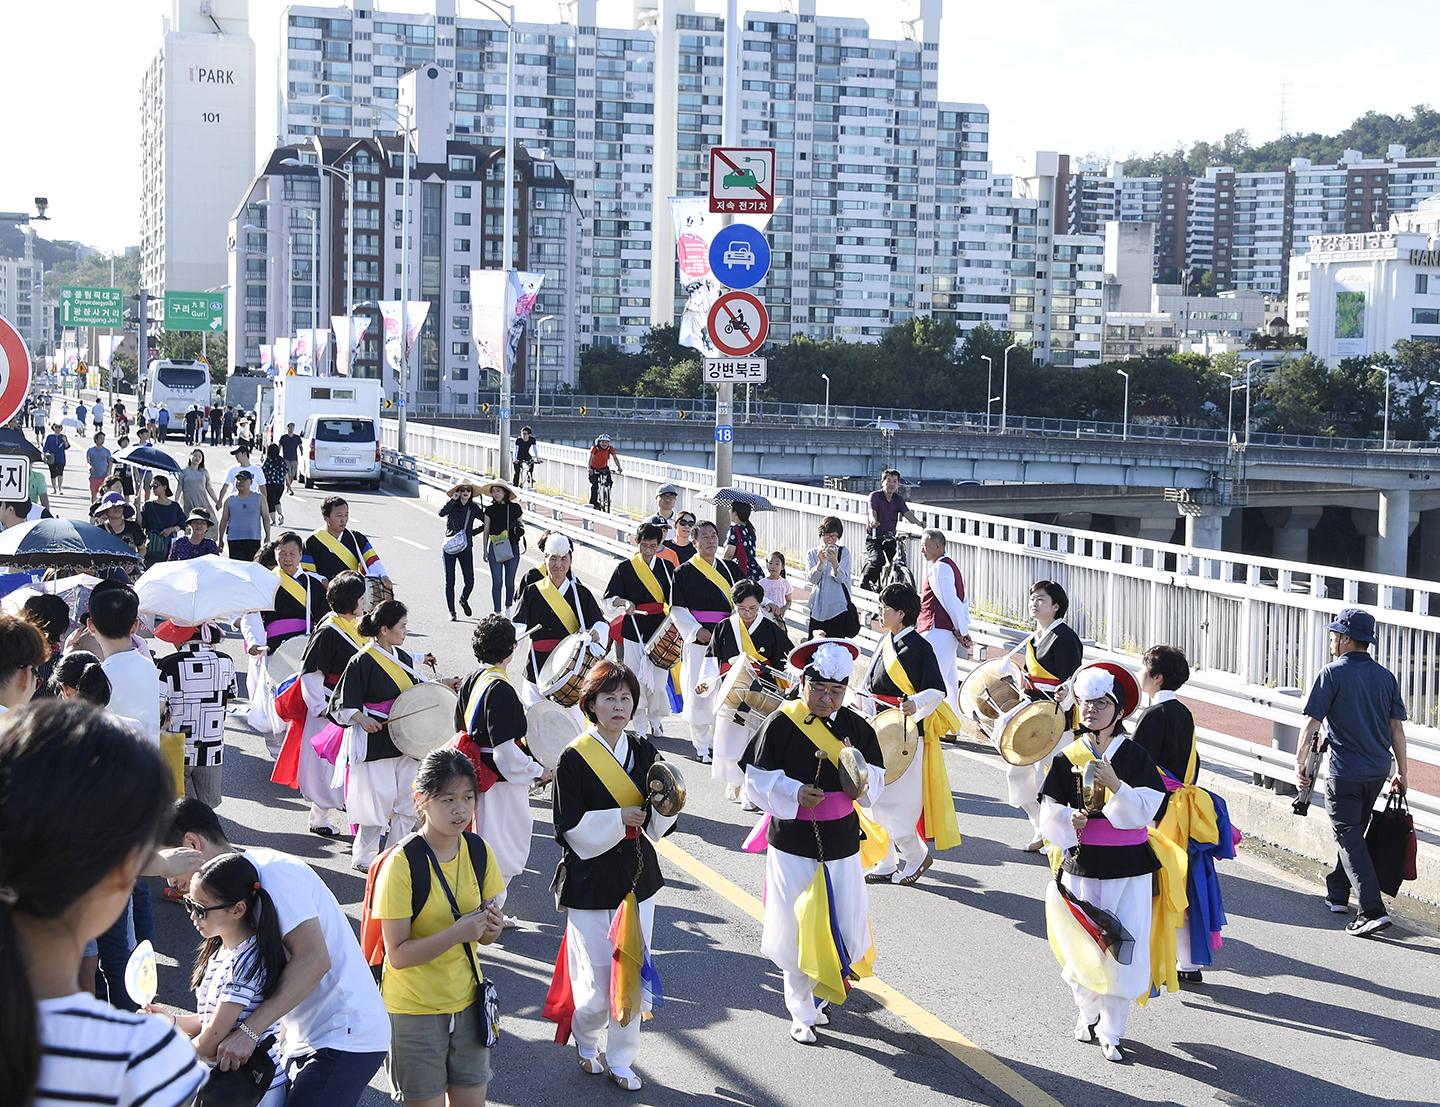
column 502, row 302
column 349, row 331
column 267, row 366
column 695, row 227
column 280, row 352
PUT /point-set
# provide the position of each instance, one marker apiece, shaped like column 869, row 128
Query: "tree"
column 186, row 345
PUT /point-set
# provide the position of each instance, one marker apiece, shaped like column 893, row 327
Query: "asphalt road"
column 974, row 1011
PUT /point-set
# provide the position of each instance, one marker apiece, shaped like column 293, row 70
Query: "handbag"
column 851, row 627
column 157, row 546
column 456, row 543
column 242, row 1087
column 502, row 549
column 487, row 997
column 1391, row 841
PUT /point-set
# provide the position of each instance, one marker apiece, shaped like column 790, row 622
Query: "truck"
column 338, row 420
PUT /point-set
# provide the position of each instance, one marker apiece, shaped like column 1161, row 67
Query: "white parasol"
column 208, row 587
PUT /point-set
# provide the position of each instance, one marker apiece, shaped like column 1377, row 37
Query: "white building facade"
column 197, row 154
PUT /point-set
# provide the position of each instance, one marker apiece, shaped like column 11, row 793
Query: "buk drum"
column 989, row 692
column 899, row 739
column 665, row 646
column 377, row 592
column 422, row 718
column 564, row 670
column 549, row 728
column 284, row 662
column 748, row 690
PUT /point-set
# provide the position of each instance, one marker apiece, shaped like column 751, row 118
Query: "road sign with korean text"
column 740, row 370
column 91, row 307
column 742, row 180
column 14, row 477
column 195, row 311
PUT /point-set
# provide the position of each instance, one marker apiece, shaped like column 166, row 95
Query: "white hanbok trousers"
column 589, row 955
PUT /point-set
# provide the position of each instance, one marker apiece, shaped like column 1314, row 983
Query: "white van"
column 340, row 448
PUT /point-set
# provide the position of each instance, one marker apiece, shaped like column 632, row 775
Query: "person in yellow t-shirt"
column 431, row 976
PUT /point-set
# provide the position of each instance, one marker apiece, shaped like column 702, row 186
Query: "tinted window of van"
column 344, row 430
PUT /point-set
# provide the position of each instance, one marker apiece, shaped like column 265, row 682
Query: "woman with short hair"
column 829, row 569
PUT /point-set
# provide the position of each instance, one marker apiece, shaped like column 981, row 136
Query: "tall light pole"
column 1230, row 411
column 1248, row 366
column 1005, row 387
column 989, row 387
column 827, row 398
column 1385, row 434
column 404, row 119
column 320, row 167
column 507, row 251
column 535, row 329
column 1125, row 412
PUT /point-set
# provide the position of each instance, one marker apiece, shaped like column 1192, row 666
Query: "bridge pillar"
column 1292, row 530
column 1150, row 528
column 1387, row 532
column 1430, row 544
column 1205, row 529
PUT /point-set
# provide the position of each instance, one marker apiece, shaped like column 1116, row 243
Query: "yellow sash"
column 296, row 590
column 339, row 549
column 714, row 576
column 560, row 605
column 939, row 805
column 487, row 678
column 814, row 729
column 602, row 762
column 1032, row 663
column 394, row 671
column 1192, row 768
column 746, row 643
column 647, row 578
column 346, row 626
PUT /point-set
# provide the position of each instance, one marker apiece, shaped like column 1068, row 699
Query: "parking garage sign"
column 739, row 256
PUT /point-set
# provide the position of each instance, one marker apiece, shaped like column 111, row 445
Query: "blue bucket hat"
column 1356, row 623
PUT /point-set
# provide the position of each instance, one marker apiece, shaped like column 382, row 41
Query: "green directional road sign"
column 91, row 307
column 194, row 311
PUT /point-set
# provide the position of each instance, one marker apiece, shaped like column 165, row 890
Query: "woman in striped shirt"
column 83, row 803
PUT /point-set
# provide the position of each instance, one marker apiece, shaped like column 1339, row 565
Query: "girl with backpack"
column 238, row 964
column 441, row 1008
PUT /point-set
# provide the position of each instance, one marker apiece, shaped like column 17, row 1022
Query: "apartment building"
column 197, row 149
column 21, row 297
column 291, row 261
column 886, row 191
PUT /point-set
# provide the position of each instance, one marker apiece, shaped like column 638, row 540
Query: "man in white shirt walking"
column 944, row 612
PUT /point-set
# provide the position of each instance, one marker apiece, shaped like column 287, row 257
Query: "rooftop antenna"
column 1284, row 98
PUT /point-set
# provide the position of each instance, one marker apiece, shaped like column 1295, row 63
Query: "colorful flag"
column 348, row 334
column 502, row 303
column 267, row 366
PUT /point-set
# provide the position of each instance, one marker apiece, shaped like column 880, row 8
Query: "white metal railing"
column 1250, row 626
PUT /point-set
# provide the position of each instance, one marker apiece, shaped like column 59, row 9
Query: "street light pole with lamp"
column 1005, row 387
column 1230, row 410
column 404, row 118
column 989, row 387
column 827, row 398
column 1125, row 412
column 1248, row 366
column 534, row 326
column 1385, row 434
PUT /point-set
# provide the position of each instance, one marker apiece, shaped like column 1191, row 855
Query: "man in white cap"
column 664, row 515
column 792, row 773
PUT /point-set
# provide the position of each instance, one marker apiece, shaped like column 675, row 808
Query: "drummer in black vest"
column 700, row 600
column 552, row 609
column 491, row 723
column 640, row 587
column 764, row 641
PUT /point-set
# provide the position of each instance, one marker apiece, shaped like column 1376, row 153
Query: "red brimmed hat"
column 801, row 655
column 1124, row 690
column 175, row 633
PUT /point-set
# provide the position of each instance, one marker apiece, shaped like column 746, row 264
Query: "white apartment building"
column 197, row 150
column 886, row 192
column 1360, row 293
column 289, row 243
column 22, row 285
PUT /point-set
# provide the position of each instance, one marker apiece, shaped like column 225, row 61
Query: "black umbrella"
column 738, row 496
column 13, row 442
column 147, row 457
column 63, row 544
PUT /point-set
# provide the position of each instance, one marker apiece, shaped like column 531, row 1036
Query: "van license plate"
column 343, row 460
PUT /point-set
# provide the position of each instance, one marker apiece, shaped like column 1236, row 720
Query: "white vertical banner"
column 302, row 352
column 505, row 302
column 695, row 227
column 267, row 365
column 348, row 334
column 390, row 313
column 416, row 312
column 321, row 351
column 280, row 352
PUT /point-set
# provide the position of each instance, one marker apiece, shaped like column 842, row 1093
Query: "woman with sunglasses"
column 238, row 964
column 681, row 548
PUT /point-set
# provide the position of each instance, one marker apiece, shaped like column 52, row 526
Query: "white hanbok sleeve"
column 517, row 766
column 252, row 629
column 595, row 833
column 1132, row 808
column 1055, row 823
column 773, row 792
column 317, row 696
column 926, row 701
column 877, row 785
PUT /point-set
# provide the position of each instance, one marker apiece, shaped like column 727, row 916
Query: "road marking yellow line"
column 989, row 1068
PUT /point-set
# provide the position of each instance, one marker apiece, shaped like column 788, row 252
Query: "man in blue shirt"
column 1358, row 702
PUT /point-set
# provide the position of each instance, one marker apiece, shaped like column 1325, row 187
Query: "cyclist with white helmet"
column 601, row 455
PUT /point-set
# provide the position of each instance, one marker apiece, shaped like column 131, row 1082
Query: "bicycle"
column 600, row 482
column 525, row 472
column 896, row 568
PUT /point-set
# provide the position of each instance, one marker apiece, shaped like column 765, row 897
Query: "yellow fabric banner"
column 560, row 605
column 939, row 803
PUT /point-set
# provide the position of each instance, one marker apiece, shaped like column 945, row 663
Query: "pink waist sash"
column 1100, row 832
column 835, row 805
column 710, row 618
column 284, row 626
column 327, row 741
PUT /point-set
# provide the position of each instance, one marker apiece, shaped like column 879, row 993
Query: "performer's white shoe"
column 591, row 1063
column 1085, row 1029
column 822, row 1015
column 1111, row 1050
column 625, row 1079
column 803, row 1034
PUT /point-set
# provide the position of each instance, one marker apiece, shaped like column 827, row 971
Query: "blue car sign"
column 739, row 256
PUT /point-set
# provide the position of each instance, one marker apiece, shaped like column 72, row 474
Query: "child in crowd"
column 238, row 963
column 777, row 588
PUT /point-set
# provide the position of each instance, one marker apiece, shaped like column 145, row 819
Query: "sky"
column 1078, row 76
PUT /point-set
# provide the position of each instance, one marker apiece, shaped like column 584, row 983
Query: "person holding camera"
column 1357, row 702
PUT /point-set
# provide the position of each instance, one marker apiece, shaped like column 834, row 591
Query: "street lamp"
column 1125, row 415
column 989, row 387
column 1385, row 434
column 535, row 330
column 1005, row 387
column 507, row 250
column 404, row 117
column 827, row 398
column 1248, row 366
column 1230, row 411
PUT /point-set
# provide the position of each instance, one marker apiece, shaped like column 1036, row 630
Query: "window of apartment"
column 462, row 219
column 1425, row 316
column 461, row 246
column 1422, row 283
column 460, row 349
column 462, row 192
column 462, row 165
